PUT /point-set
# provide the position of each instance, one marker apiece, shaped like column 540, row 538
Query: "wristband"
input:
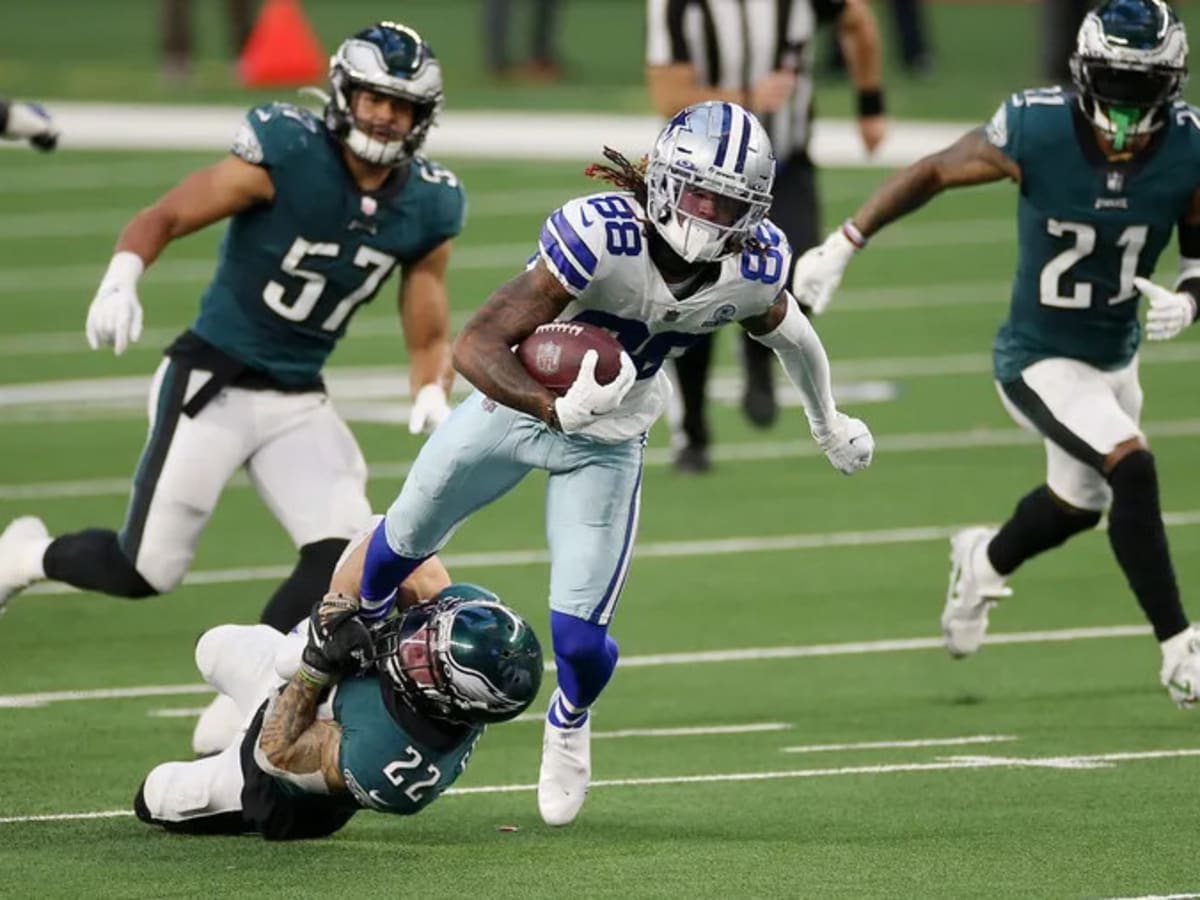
column 853, row 235
column 870, row 103
column 310, row 674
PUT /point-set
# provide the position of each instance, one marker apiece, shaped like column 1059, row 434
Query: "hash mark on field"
column 889, row 745
column 963, row 763
column 748, row 654
column 694, row 732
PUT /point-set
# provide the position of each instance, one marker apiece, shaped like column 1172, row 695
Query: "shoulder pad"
column 575, row 238
column 445, row 201
column 271, row 131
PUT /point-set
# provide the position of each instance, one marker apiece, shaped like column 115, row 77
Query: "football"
column 553, row 352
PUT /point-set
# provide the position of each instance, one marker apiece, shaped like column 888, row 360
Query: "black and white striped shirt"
column 734, row 43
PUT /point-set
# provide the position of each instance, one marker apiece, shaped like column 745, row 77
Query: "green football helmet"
column 391, row 59
column 1130, row 63
column 462, row 656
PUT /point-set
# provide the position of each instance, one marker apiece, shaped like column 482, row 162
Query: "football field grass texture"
column 784, row 722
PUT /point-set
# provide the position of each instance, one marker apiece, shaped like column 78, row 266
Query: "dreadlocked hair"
column 622, row 173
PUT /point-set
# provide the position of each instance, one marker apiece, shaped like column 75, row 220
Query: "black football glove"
column 339, row 644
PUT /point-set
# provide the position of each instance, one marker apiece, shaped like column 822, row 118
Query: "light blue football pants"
column 592, row 498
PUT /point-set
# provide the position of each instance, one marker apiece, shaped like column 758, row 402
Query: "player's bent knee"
column 1123, row 451
column 1134, row 472
column 209, row 648
column 577, row 639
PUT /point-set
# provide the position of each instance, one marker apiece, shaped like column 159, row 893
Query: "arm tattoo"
column 972, row 159
column 483, row 351
column 293, row 739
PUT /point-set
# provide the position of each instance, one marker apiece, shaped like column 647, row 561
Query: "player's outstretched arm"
column 206, row 196
column 972, row 159
column 483, row 350
column 845, row 441
column 294, row 743
column 425, row 318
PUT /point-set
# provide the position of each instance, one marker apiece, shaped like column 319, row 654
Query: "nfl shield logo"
column 368, row 206
column 670, row 315
column 547, row 358
column 1115, row 182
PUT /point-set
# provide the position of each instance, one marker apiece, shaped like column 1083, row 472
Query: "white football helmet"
column 709, row 180
column 391, row 59
column 1130, row 62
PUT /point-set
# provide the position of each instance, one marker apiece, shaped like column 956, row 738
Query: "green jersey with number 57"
column 293, row 271
column 1086, row 227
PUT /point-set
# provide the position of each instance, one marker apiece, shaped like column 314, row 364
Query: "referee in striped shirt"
column 758, row 53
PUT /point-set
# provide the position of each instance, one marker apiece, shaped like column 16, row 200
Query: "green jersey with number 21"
column 1086, row 227
column 293, row 271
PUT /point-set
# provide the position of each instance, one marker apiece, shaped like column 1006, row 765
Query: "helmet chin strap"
column 1123, row 117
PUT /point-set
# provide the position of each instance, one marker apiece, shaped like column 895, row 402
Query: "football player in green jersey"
column 321, row 210
column 382, row 720
column 1106, row 174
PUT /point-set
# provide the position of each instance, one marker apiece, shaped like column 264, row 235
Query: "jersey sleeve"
column 272, row 133
column 665, row 41
column 572, row 244
column 445, row 206
column 1004, row 131
column 766, row 266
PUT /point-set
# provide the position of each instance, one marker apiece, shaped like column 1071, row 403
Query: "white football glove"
column 1169, row 312
column 31, row 122
column 115, row 317
column 818, row 272
column 429, row 409
column 847, row 444
column 586, row 400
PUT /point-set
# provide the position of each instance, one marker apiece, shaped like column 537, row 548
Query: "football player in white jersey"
column 674, row 253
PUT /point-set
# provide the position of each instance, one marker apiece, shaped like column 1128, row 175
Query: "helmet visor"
column 710, row 206
column 1120, row 86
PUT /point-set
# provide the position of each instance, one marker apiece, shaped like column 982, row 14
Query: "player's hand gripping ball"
column 553, row 353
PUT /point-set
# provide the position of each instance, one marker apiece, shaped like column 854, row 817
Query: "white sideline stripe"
column 890, row 745
column 659, row 550
column 974, row 762
column 967, row 763
column 697, row 731
column 749, row 654
column 853, row 300
column 655, row 456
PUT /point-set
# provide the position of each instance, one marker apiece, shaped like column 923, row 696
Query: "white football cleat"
column 566, row 770
column 971, row 594
column 21, row 546
column 1180, row 673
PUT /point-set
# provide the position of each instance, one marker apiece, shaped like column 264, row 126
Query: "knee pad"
column 1134, row 473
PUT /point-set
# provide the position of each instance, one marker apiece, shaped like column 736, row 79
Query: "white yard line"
column 889, row 745
column 698, row 731
column 702, row 657
column 1100, row 760
column 644, row 551
column 919, row 442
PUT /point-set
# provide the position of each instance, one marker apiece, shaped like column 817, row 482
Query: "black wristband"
column 870, row 103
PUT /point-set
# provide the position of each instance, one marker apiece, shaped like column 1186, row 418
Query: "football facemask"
column 709, row 180
column 388, row 59
column 463, row 656
column 1130, row 63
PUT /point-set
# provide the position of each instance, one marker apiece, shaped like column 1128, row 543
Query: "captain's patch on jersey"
column 997, row 128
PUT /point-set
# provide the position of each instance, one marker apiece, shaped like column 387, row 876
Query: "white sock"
column 31, row 564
